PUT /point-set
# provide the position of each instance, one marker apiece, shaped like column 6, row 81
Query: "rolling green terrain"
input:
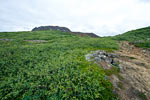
column 139, row 37
column 51, row 65
column 53, row 69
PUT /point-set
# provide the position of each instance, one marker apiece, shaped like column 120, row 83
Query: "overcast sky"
column 103, row 17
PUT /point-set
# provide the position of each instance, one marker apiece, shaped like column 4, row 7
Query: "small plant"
column 113, row 70
column 132, row 58
column 142, row 96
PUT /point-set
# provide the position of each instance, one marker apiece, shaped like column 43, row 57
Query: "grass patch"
column 142, row 34
column 114, row 70
column 138, row 37
column 145, row 44
column 52, row 70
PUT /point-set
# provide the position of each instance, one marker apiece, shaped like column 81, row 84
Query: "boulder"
column 102, row 58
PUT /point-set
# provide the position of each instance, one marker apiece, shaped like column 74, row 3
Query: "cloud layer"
column 103, row 17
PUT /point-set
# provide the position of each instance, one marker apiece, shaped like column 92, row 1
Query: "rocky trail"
column 134, row 64
column 133, row 79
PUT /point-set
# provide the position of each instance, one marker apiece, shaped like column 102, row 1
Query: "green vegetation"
column 135, row 35
column 139, row 37
column 142, row 95
column 144, row 44
column 52, row 70
column 114, row 70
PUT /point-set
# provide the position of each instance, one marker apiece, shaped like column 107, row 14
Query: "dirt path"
column 134, row 64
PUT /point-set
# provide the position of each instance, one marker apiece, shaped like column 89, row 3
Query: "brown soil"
column 134, row 64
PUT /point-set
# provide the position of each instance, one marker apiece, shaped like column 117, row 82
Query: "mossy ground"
column 139, row 37
column 53, row 70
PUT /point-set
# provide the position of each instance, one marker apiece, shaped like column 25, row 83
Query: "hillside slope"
column 138, row 37
column 134, row 64
column 51, row 65
column 135, row 35
column 129, row 67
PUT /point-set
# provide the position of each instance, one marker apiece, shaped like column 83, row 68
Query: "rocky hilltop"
column 63, row 29
column 41, row 28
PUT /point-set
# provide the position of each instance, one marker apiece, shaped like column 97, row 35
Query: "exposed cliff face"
column 41, row 28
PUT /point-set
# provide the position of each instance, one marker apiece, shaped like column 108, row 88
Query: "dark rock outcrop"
column 63, row 29
column 41, row 28
column 103, row 59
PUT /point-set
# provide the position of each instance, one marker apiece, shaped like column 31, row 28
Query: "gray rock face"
column 41, row 28
column 102, row 58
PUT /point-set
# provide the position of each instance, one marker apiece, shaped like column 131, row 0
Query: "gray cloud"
column 104, row 18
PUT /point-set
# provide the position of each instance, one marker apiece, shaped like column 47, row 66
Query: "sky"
column 102, row 17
